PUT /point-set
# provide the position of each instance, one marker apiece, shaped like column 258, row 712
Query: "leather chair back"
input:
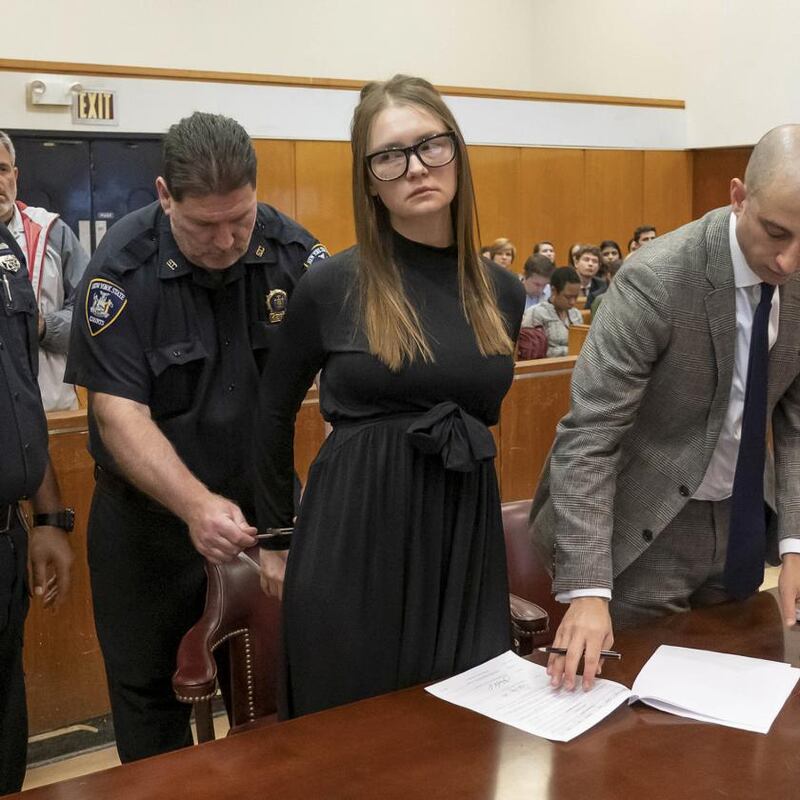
column 527, row 577
column 241, row 618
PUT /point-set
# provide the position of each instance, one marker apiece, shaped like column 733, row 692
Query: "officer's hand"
column 584, row 631
column 789, row 587
column 273, row 569
column 219, row 530
column 50, row 558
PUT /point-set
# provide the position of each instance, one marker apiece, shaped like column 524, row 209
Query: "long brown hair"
column 390, row 323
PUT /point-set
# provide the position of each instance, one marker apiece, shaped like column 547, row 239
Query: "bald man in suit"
column 634, row 505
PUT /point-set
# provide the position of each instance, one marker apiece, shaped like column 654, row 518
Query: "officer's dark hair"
column 562, row 276
column 207, row 154
column 539, row 265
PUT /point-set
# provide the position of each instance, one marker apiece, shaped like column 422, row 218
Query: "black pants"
column 13, row 608
column 148, row 589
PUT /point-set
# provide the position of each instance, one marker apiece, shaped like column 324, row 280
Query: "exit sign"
column 95, row 107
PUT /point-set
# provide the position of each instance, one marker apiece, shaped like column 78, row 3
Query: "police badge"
column 10, row 263
column 276, row 305
column 104, row 303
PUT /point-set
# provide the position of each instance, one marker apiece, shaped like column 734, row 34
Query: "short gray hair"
column 5, row 140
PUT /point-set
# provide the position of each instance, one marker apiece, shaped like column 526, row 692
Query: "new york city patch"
column 104, row 303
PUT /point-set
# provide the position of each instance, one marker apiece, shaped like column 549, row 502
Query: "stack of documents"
column 737, row 691
column 740, row 692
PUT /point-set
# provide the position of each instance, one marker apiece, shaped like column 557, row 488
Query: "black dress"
column 397, row 571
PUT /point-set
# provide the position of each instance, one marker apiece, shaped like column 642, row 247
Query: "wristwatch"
column 64, row 519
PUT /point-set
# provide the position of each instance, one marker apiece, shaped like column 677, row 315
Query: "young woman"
column 503, row 252
column 609, row 251
column 558, row 313
column 397, row 571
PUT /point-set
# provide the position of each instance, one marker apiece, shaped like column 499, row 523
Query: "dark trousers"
column 148, row 589
column 13, row 710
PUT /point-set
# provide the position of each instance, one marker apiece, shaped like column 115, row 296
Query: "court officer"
column 178, row 308
column 25, row 472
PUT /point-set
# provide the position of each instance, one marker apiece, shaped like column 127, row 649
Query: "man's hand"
column 789, row 587
column 219, row 530
column 50, row 557
column 584, row 631
column 273, row 569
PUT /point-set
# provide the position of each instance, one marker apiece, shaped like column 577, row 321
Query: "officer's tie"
column 747, row 542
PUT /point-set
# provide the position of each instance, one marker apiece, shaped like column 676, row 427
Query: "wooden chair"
column 527, row 577
column 240, row 625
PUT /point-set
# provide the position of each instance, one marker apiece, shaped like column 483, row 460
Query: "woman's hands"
column 273, row 569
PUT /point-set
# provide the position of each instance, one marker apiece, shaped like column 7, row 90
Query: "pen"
column 562, row 651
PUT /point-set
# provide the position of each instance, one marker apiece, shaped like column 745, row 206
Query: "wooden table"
column 411, row 745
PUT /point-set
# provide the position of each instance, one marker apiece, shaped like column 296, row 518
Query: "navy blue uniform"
column 190, row 344
column 23, row 450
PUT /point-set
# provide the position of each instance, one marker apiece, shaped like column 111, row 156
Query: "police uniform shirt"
column 188, row 343
column 23, row 430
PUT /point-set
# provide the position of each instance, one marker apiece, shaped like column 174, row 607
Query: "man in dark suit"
column 665, row 435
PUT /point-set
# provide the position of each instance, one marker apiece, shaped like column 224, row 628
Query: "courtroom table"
column 411, row 745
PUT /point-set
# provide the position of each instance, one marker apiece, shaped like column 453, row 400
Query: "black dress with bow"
column 397, row 571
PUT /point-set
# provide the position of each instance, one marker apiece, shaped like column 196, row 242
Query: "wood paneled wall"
column 713, row 171
column 64, row 669
column 527, row 194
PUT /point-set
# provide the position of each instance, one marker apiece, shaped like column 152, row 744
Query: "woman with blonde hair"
column 397, row 571
column 503, row 252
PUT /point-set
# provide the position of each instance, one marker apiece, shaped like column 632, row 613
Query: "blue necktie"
column 747, row 541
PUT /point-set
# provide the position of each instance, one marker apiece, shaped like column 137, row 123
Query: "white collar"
column 15, row 223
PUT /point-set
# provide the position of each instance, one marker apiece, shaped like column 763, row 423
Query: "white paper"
column 736, row 691
column 517, row 692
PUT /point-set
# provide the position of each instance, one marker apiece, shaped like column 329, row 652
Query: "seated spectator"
column 644, row 234
column 536, row 279
column 503, row 252
column 572, row 253
column 486, row 252
column 633, row 246
column 545, row 248
column 610, row 251
column 611, row 271
column 587, row 265
column 56, row 263
column 557, row 314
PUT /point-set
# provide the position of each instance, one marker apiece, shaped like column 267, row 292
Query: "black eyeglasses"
column 434, row 151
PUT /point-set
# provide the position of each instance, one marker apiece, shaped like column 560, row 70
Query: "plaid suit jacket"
column 649, row 395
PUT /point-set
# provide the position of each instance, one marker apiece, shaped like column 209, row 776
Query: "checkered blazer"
column 649, row 395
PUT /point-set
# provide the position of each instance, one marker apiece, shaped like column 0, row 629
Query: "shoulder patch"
column 317, row 253
column 9, row 262
column 105, row 301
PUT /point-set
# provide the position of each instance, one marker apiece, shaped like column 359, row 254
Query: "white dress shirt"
column 717, row 484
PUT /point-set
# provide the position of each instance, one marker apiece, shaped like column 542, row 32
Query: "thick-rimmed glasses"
column 434, row 151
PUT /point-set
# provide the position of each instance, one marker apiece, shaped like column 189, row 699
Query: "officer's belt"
column 121, row 489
